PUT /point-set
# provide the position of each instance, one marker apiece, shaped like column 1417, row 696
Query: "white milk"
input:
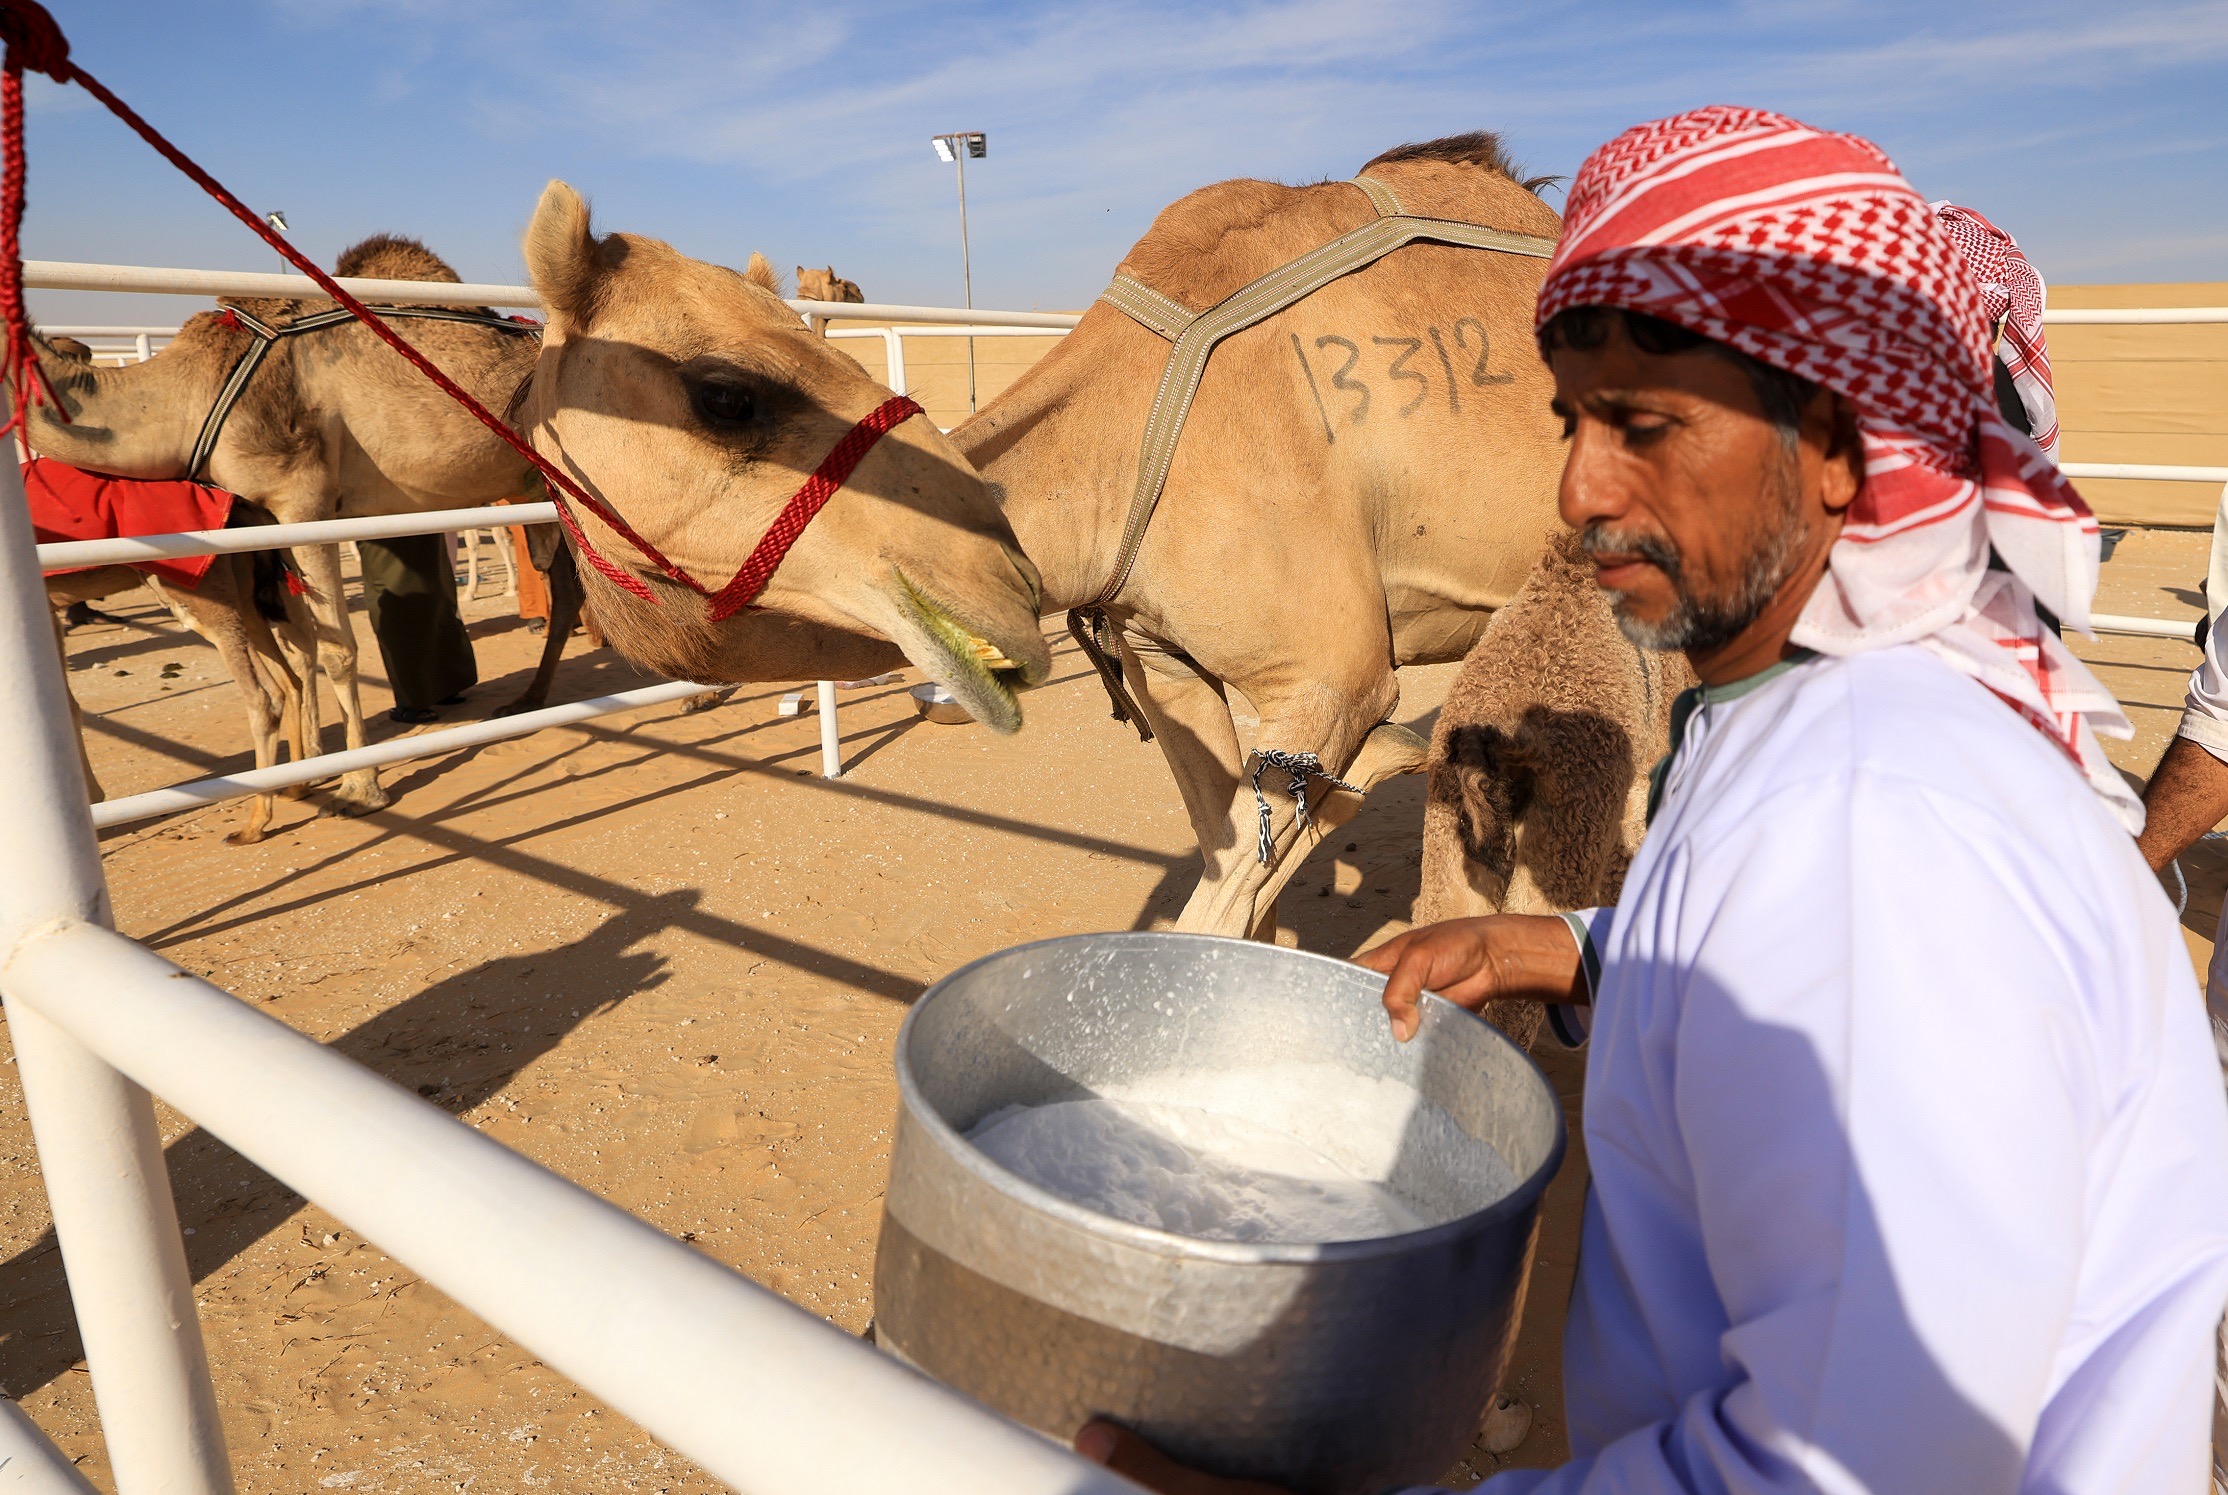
column 1206, row 1174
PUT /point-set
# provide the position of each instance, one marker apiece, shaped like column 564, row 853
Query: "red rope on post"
column 34, row 41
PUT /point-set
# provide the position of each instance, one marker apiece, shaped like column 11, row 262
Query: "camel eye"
column 722, row 402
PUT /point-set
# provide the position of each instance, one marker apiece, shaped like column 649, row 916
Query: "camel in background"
column 332, row 424
column 689, row 399
column 1363, row 479
column 1539, row 764
column 826, row 285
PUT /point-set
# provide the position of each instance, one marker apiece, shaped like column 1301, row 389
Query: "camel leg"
column 223, row 612
column 1190, row 718
column 1342, row 724
column 358, row 792
column 94, row 794
column 565, row 597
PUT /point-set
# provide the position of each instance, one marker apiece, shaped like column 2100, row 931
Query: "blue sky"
column 2097, row 133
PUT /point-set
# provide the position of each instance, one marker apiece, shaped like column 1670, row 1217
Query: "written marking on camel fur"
column 1343, row 396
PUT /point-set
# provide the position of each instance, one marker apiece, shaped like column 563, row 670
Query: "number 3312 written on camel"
column 1458, row 353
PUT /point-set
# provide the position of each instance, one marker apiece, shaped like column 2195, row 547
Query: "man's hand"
column 2186, row 797
column 1132, row 1457
column 1471, row 962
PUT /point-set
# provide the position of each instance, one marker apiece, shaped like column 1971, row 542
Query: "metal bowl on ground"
column 1354, row 1366
column 936, row 704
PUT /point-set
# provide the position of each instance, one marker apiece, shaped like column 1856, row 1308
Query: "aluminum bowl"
column 1355, row 1366
column 936, row 704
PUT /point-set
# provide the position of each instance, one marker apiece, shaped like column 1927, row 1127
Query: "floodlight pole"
column 966, row 263
column 958, row 145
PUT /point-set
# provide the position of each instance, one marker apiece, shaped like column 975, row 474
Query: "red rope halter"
column 35, row 41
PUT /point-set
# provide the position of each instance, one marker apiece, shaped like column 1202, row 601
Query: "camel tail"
column 272, row 571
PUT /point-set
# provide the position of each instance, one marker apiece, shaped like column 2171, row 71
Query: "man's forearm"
column 2186, row 797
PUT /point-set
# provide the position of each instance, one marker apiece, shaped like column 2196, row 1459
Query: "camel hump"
column 1208, row 244
column 1482, row 149
column 393, row 257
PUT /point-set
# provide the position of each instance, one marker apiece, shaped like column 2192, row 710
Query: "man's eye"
column 1639, row 430
column 722, row 403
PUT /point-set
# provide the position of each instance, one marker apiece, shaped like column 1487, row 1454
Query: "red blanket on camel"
column 69, row 503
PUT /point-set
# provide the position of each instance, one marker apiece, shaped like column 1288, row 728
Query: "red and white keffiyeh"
column 2012, row 295
column 1809, row 251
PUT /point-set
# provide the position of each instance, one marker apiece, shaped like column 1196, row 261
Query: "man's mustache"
column 1598, row 540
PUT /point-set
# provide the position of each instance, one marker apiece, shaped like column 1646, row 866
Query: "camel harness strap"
column 264, row 336
column 1193, row 336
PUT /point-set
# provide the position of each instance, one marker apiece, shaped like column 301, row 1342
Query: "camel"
column 694, row 404
column 826, row 285
column 1364, row 478
column 1539, row 763
column 332, row 424
column 235, row 607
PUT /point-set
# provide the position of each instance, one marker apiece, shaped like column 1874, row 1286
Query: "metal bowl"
column 1354, row 1366
column 936, row 704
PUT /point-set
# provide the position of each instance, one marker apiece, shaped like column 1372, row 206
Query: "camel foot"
column 246, row 835
column 296, row 792
column 527, row 702
column 1507, row 1422
column 706, row 701
column 357, row 794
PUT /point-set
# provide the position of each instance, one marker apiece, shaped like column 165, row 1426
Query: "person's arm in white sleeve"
column 1881, row 1111
column 2188, row 792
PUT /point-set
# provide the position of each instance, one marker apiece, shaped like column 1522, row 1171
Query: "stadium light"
column 958, row 148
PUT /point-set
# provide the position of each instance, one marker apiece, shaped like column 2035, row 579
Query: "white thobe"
column 1910, row 1155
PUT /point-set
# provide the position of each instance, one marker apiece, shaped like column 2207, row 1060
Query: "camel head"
column 826, row 285
column 693, row 403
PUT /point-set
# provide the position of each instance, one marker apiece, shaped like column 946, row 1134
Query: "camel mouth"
column 979, row 673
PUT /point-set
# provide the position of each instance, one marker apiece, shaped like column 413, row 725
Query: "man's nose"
column 1593, row 487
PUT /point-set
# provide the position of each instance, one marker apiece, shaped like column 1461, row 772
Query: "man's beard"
column 1697, row 623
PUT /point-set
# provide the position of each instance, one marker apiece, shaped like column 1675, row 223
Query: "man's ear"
column 1844, row 472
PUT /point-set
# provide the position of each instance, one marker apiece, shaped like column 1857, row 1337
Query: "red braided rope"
column 834, row 471
column 35, row 40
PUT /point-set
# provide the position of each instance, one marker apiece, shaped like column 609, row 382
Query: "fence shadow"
column 457, row 1043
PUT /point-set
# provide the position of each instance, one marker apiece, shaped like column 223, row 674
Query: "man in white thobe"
column 1910, row 1158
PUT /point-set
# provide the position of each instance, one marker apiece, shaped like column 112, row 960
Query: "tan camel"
column 826, row 285
column 332, row 423
column 1539, row 764
column 235, row 608
column 1363, row 478
column 694, row 404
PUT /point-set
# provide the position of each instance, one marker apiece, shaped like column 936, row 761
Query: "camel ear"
column 561, row 255
column 760, row 272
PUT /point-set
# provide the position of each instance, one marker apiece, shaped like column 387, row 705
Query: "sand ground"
column 660, row 955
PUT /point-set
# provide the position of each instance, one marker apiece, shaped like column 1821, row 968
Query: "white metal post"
column 98, row 1146
column 831, row 745
column 893, row 346
column 30, row 1464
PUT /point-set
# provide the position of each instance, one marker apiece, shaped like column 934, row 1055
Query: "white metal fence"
column 765, row 1395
